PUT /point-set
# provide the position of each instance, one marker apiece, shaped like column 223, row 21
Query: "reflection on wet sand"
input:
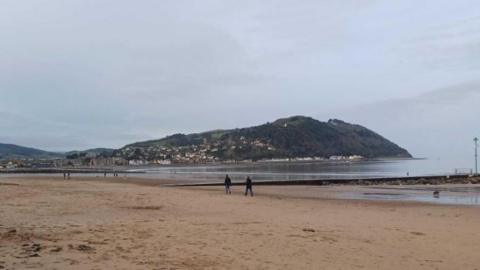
column 447, row 194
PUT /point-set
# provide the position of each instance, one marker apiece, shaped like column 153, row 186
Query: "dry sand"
column 49, row 223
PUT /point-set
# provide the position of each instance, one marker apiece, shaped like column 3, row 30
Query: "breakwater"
column 412, row 180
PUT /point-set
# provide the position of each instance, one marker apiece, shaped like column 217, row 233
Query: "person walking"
column 228, row 183
column 248, row 186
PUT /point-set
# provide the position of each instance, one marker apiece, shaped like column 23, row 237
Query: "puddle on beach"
column 458, row 195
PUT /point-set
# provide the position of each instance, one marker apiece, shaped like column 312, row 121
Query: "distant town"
column 195, row 154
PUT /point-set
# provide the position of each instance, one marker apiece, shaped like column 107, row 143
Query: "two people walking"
column 248, row 185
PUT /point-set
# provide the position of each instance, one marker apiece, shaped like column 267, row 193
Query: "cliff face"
column 297, row 136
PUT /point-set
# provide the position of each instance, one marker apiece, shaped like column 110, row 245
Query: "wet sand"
column 49, row 223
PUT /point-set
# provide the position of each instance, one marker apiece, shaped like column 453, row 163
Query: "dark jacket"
column 249, row 182
column 228, row 181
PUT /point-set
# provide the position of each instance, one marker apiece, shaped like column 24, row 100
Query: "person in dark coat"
column 248, row 186
column 228, row 183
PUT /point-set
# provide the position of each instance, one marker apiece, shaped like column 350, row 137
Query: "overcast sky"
column 90, row 73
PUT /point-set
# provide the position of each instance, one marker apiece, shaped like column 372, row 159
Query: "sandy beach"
column 88, row 223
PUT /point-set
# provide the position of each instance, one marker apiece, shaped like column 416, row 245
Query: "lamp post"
column 475, row 140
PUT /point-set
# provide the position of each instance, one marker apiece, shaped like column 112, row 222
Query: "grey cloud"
column 438, row 124
column 77, row 74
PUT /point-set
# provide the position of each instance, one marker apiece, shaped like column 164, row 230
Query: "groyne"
column 412, row 180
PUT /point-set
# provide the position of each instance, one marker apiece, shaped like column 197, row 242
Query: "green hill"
column 297, row 136
column 12, row 151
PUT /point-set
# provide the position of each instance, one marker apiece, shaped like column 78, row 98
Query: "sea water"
column 314, row 170
column 448, row 194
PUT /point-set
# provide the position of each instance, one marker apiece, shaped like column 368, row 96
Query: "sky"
column 104, row 73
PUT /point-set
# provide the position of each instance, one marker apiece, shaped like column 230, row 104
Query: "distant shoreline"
column 139, row 168
column 68, row 170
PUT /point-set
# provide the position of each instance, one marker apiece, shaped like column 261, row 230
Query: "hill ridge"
column 10, row 151
column 295, row 136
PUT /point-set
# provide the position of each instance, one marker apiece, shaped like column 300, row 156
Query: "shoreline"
column 335, row 192
column 367, row 181
column 68, row 170
column 453, row 192
column 139, row 168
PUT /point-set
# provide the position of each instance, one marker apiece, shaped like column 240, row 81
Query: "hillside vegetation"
column 12, row 151
column 297, row 136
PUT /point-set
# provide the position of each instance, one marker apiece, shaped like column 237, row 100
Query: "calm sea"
column 307, row 170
